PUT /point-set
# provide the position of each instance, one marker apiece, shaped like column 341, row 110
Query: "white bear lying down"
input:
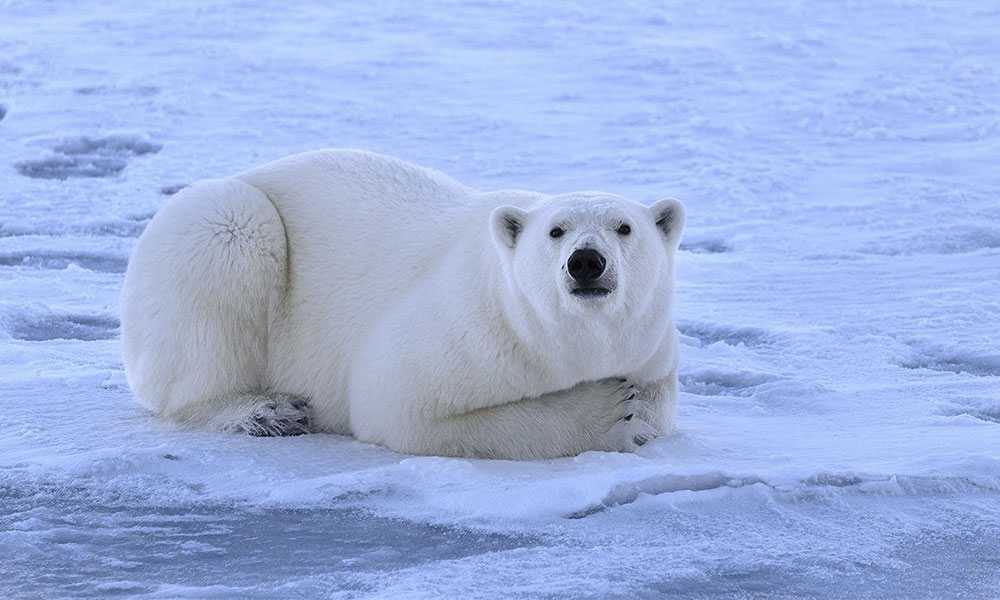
column 354, row 293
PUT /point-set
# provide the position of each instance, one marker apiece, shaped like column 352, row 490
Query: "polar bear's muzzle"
column 587, row 267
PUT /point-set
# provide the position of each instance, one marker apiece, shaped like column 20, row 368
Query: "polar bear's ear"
column 668, row 214
column 506, row 225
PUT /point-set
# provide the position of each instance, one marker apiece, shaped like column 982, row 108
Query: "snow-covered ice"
column 838, row 295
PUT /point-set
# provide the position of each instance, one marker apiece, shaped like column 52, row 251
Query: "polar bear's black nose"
column 586, row 265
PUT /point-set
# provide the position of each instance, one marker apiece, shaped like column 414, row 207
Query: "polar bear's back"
column 369, row 189
column 363, row 223
column 362, row 231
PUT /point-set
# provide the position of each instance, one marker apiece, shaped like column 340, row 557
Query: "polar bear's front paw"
column 275, row 415
column 623, row 429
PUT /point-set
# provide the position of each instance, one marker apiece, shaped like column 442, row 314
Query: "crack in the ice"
column 628, row 493
column 663, row 484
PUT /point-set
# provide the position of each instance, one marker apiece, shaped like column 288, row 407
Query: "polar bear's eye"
column 624, row 229
column 556, row 232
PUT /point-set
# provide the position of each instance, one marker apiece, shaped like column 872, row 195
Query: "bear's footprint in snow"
column 85, row 156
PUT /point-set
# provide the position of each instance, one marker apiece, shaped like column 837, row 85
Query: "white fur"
column 408, row 309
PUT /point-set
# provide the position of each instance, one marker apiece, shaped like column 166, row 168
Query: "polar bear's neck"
column 562, row 350
column 572, row 347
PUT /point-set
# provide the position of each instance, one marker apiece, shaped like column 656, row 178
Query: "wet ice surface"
column 838, row 296
column 190, row 548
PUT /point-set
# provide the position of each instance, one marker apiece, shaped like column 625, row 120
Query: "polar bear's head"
column 586, row 252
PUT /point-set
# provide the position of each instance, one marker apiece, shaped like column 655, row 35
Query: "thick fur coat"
column 350, row 292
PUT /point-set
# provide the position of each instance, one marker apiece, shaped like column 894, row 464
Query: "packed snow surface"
column 838, row 295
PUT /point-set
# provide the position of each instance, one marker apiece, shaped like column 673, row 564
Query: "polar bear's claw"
column 629, row 425
column 619, row 422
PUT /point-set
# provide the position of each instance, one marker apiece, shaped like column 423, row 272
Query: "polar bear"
column 349, row 292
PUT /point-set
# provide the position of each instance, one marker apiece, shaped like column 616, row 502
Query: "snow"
column 838, row 295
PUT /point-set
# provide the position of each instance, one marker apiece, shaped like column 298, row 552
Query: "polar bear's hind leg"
column 201, row 293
